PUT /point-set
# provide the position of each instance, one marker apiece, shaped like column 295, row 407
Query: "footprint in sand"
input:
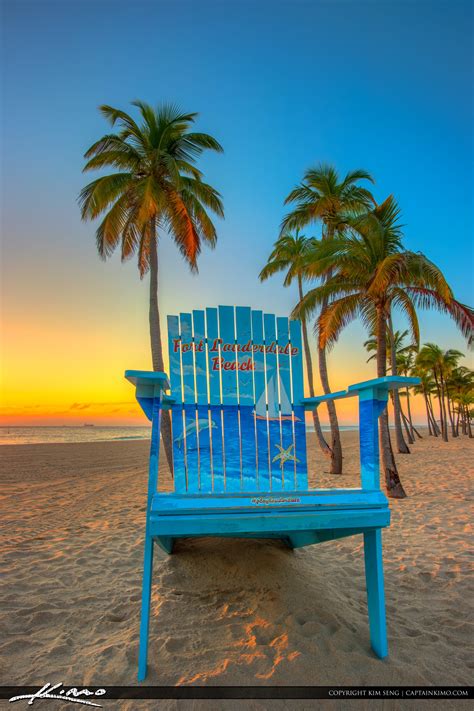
column 116, row 617
column 413, row 633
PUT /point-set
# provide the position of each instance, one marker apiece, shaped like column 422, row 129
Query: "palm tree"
column 405, row 364
column 289, row 254
column 426, row 388
column 155, row 188
column 441, row 363
column 466, row 401
column 460, row 387
column 395, row 347
column 322, row 196
column 371, row 275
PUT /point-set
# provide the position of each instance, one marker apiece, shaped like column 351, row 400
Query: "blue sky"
column 387, row 86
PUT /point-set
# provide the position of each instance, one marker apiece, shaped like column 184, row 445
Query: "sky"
column 384, row 86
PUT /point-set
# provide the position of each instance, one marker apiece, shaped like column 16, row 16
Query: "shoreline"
column 131, row 438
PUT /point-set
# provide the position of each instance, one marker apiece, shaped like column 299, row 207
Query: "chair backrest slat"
column 246, row 398
column 238, row 423
column 296, row 362
column 261, row 422
column 273, row 399
column 232, row 450
column 215, row 409
column 177, row 413
column 189, row 397
column 203, row 415
column 286, row 410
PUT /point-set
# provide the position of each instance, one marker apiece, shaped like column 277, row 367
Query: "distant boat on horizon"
column 86, row 424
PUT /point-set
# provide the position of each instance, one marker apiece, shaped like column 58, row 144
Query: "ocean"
column 51, row 435
column 58, row 435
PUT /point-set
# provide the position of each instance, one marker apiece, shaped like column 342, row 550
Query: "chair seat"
column 168, row 504
column 278, row 514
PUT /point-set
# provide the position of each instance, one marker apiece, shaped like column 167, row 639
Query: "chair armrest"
column 148, row 377
column 149, row 389
column 373, row 397
column 365, row 389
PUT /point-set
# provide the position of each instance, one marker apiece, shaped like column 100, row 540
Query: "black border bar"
column 100, row 694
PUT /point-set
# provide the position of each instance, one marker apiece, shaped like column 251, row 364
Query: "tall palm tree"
column 155, row 188
column 440, row 363
column 371, row 275
column 324, row 197
column 289, row 254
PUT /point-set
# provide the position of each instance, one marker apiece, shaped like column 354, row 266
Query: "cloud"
column 100, row 405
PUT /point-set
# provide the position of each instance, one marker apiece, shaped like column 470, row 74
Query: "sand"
column 227, row 611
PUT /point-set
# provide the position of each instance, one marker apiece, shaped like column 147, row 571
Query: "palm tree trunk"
column 336, row 449
column 443, row 423
column 428, row 416
column 325, row 448
column 406, row 425
column 155, row 338
column 451, row 414
column 410, row 420
column 468, row 420
column 392, row 480
column 420, row 436
column 436, row 428
column 401, row 444
column 443, row 401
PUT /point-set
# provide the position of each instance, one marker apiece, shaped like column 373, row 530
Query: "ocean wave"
column 129, row 437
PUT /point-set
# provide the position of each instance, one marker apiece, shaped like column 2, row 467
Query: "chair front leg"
column 145, row 613
column 375, row 591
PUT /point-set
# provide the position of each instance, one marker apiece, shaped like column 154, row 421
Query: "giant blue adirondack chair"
column 239, row 448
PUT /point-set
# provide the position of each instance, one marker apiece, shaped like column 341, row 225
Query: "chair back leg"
column 375, row 591
column 145, row 614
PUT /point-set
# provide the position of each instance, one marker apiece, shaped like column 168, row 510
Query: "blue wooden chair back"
column 238, row 422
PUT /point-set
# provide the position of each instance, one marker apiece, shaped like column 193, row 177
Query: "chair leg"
column 145, row 614
column 375, row 591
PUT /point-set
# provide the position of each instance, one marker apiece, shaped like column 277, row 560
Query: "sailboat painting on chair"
column 239, row 448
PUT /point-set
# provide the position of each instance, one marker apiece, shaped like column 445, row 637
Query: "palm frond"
column 334, row 288
column 110, row 142
column 401, row 299
column 273, row 266
column 110, row 230
column 96, row 197
column 335, row 317
column 462, row 315
column 354, row 176
column 201, row 219
column 183, row 229
column 130, row 128
column 204, row 141
column 204, row 193
column 129, row 159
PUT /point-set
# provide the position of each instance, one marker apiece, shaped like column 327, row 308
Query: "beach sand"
column 227, row 612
